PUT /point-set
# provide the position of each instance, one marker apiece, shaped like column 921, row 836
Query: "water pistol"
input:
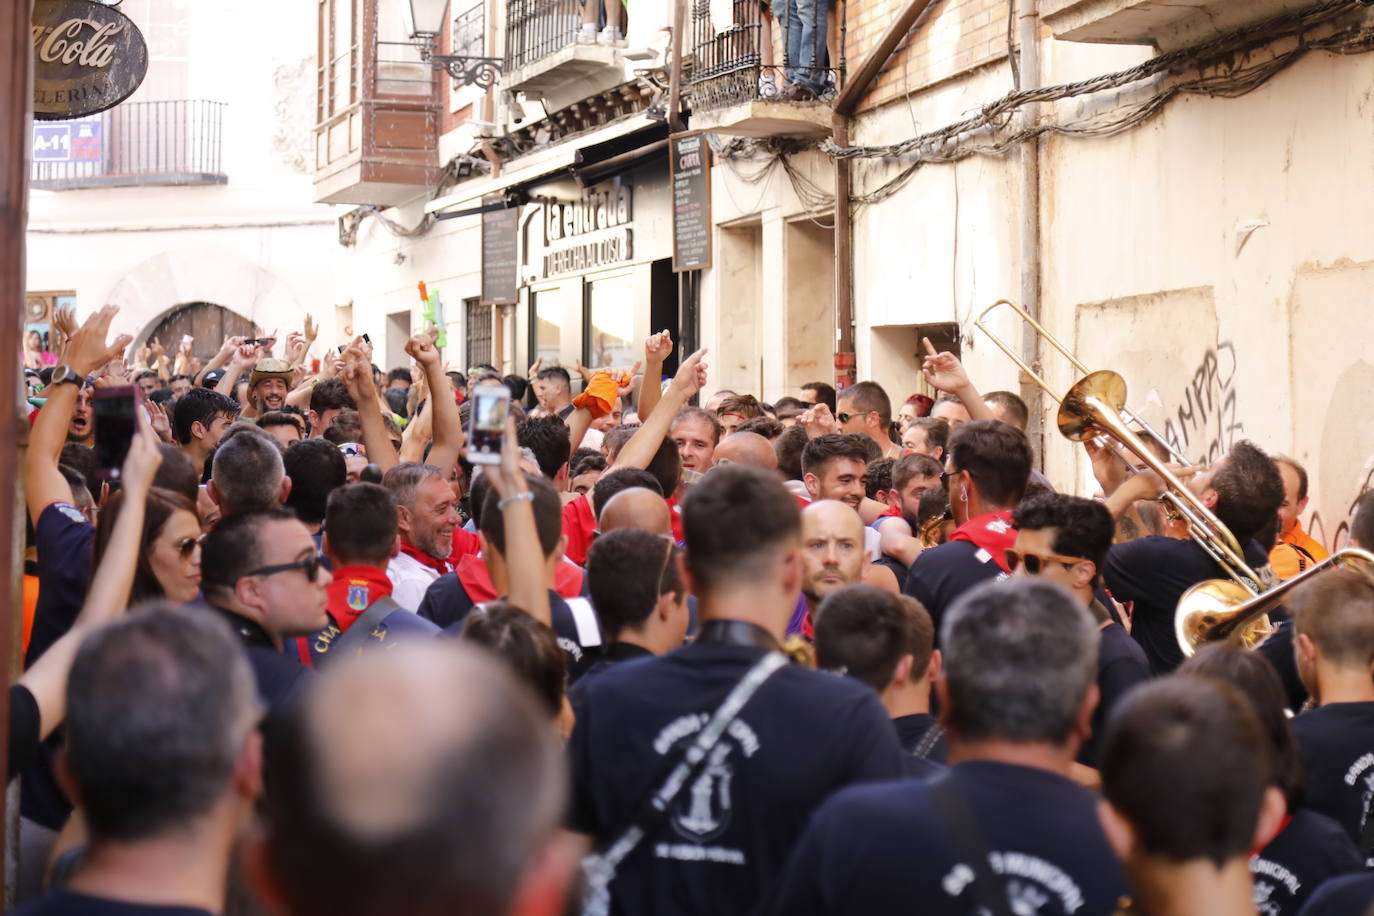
column 433, row 313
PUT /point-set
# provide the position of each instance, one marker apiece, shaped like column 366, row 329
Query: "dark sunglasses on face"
column 844, row 417
column 186, row 546
column 1036, row 561
column 310, row 566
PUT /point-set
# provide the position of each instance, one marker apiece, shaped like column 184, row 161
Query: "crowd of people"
column 679, row 651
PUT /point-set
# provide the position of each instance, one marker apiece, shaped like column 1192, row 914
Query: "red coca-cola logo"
column 87, row 57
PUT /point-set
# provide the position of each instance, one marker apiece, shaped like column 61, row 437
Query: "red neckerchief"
column 993, row 532
column 464, row 543
column 476, row 580
column 419, row 556
column 353, row 589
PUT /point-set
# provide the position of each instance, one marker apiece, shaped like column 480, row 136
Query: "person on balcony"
column 805, row 53
column 610, row 14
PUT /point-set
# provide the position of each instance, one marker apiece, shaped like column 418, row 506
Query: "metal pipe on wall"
column 1028, row 35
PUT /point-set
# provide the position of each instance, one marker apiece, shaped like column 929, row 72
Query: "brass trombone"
column 1096, row 406
column 1217, row 611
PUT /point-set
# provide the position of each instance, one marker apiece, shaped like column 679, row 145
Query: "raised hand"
column 691, row 376
column 87, row 350
column 657, row 348
column 157, row 419
column 943, row 370
column 818, row 421
column 357, row 375
column 245, row 356
column 421, row 348
column 311, row 329
column 64, row 321
column 296, row 345
column 631, row 382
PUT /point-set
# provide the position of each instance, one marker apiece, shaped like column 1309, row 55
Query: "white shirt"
column 409, row 580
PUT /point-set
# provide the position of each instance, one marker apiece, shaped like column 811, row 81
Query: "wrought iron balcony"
column 544, row 55
column 753, row 74
column 137, row 143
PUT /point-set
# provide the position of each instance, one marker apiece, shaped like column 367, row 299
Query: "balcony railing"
column 753, row 56
column 537, row 28
column 137, row 143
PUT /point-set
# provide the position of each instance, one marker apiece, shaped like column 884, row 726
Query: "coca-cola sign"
column 87, row 57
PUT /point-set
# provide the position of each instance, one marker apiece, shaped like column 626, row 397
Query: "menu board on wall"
column 500, row 256
column 689, row 159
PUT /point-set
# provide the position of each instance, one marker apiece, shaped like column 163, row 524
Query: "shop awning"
column 592, row 157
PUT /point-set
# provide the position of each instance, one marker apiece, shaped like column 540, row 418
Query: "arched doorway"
column 208, row 324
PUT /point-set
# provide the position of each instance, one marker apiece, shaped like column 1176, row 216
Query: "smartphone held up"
column 116, row 422
column 487, row 423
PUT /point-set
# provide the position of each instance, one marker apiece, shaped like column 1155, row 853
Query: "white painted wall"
column 1147, row 265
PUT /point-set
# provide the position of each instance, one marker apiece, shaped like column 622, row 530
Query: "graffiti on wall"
column 1203, row 425
column 1338, row 537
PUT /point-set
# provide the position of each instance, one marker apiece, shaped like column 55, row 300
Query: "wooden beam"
column 857, row 87
column 16, row 106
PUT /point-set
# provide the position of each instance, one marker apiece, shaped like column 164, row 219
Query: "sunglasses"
column 310, row 566
column 844, row 417
column 186, row 546
column 1036, row 561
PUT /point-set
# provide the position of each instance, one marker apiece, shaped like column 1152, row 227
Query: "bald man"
column 833, row 556
column 386, row 773
column 747, row 448
column 636, row 507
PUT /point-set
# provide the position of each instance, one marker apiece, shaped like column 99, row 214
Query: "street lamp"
column 427, row 16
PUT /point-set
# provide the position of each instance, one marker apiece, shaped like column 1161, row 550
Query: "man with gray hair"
column 164, row 768
column 1006, row 830
column 428, row 520
column 247, row 473
column 420, row 780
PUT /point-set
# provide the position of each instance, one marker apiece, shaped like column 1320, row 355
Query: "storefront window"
column 610, row 322
column 546, row 319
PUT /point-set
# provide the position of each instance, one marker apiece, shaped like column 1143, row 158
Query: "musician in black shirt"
column 802, row 735
column 1244, row 490
column 888, row 643
column 1333, row 623
column 1016, row 695
column 1188, row 777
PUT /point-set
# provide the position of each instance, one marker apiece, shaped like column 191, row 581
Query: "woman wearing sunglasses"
column 169, row 546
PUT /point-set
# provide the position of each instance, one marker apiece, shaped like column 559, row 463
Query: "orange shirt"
column 1295, row 553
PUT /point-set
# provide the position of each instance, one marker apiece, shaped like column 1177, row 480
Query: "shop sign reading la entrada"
column 598, row 224
column 87, row 57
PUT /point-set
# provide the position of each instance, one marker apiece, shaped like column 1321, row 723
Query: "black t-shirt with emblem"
column 887, row 849
column 1311, row 849
column 923, row 741
column 801, row 737
column 1154, row 572
column 1337, row 744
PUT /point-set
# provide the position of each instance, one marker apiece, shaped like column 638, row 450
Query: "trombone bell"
column 1076, row 421
column 1206, row 609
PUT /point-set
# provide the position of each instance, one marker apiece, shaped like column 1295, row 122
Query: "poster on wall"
column 689, row 162
column 87, row 57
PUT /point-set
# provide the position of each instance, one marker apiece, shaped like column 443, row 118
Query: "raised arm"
column 357, row 378
column 244, row 357
column 524, row 556
column 445, row 426
column 690, row 378
column 86, row 352
column 657, row 349
column 108, row 595
column 945, row 372
column 226, row 350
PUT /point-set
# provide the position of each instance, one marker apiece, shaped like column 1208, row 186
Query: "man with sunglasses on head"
column 262, row 572
column 986, row 470
column 1064, row 540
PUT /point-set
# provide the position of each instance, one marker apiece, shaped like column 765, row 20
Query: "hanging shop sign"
column 500, row 260
column 87, row 57
column 596, row 225
column 689, row 160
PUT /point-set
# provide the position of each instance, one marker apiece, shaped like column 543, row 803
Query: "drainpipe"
column 1031, row 343
column 912, row 15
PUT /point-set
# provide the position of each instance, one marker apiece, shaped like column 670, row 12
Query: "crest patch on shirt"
column 71, row 512
column 357, row 597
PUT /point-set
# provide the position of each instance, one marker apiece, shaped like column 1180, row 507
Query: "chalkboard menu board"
column 689, row 158
column 500, row 259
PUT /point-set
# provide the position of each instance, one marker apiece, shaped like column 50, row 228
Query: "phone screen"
column 116, row 419
column 487, row 423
